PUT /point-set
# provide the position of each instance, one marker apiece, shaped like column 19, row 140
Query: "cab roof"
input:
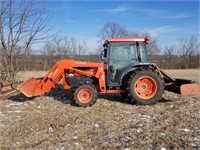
column 146, row 40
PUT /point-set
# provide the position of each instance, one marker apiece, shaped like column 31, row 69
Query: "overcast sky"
column 166, row 21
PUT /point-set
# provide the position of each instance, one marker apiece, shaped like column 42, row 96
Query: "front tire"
column 145, row 87
column 85, row 95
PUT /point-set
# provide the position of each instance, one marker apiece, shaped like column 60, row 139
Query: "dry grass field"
column 51, row 122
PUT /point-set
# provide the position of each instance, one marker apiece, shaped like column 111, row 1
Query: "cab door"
column 121, row 54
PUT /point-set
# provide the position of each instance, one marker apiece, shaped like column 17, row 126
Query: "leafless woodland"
column 21, row 28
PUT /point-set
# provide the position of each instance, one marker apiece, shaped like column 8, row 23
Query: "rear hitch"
column 181, row 86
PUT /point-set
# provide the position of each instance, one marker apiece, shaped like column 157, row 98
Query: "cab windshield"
column 123, row 52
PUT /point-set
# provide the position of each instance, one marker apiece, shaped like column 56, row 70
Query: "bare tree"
column 22, row 23
column 112, row 30
column 169, row 52
column 63, row 47
column 193, row 48
column 152, row 47
column 73, row 46
column 82, row 48
column 115, row 30
column 135, row 34
column 188, row 47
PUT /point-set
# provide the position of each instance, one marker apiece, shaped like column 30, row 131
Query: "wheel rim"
column 84, row 95
column 145, row 87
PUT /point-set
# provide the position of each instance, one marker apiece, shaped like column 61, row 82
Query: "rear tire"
column 145, row 87
column 124, row 95
column 85, row 95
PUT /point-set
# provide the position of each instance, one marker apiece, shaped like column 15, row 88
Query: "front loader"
column 124, row 69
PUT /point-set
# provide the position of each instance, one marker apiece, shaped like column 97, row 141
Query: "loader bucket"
column 181, row 86
column 29, row 87
column 184, row 87
column 190, row 89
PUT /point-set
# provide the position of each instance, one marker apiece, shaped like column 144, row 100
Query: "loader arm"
column 38, row 86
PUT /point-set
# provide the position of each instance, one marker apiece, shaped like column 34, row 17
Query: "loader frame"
column 61, row 71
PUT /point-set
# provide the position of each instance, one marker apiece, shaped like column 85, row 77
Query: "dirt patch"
column 51, row 122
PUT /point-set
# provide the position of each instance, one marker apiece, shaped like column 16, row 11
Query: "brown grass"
column 50, row 122
column 191, row 74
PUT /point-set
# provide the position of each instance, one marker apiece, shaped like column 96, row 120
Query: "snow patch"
column 1, row 126
column 13, row 104
column 2, row 114
column 186, row 130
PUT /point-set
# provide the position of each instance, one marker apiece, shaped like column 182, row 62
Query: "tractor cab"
column 122, row 53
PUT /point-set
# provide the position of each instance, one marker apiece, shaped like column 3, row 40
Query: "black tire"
column 124, row 95
column 85, row 95
column 145, row 87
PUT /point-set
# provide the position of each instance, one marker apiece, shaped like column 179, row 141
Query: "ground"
column 51, row 122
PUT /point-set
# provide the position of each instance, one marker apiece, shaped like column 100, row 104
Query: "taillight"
column 146, row 40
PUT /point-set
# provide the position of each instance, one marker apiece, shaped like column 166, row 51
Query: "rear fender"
column 133, row 67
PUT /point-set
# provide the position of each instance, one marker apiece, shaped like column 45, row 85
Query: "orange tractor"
column 124, row 69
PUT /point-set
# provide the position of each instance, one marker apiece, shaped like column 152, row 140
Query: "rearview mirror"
column 102, row 56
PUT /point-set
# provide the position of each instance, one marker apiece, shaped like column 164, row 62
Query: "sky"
column 166, row 21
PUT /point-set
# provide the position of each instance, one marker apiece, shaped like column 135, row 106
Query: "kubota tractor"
column 124, row 69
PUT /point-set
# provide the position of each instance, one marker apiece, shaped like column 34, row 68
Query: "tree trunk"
column 12, row 71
